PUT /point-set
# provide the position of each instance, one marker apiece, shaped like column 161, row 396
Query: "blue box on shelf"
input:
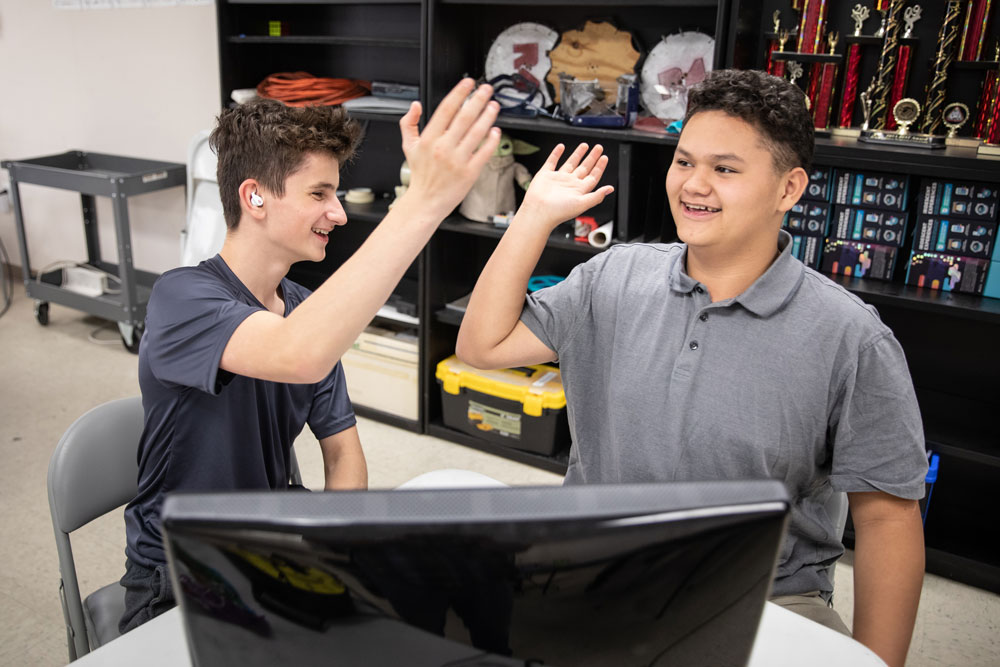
column 956, row 236
column 871, row 190
column 852, row 223
column 959, row 199
column 808, row 218
column 818, row 188
column 808, row 250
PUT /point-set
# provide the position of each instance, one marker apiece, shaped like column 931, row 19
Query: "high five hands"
column 560, row 194
column 446, row 158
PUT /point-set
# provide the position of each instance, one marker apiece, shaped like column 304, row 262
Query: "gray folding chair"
column 92, row 472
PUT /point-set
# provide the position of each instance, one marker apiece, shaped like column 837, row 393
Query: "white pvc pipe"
column 601, row 237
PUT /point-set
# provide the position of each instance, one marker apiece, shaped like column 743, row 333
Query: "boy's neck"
column 257, row 269
column 726, row 275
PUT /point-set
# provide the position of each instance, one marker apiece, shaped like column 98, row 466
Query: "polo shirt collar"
column 779, row 283
column 768, row 293
column 680, row 281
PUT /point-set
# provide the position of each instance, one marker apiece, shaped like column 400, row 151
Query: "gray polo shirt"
column 795, row 379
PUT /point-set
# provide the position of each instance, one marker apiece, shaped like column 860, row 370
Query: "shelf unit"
column 459, row 35
column 949, row 339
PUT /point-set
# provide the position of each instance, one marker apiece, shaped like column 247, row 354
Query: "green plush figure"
column 493, row 192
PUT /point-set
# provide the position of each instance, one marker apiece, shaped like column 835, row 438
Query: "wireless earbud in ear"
column 256, row 199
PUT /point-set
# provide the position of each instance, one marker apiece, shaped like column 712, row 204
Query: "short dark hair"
column 773, row 106
column 268, row 141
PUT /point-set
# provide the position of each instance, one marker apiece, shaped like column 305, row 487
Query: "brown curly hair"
column 268, row 141
column 773, row 106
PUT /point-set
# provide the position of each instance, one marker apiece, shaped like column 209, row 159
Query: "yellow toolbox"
column 523, row 408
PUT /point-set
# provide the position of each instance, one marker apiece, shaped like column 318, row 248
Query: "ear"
column 524, row 148
column 247, row 188
column 793, row 184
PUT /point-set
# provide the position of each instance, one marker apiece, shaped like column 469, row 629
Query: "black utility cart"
column 93, row 175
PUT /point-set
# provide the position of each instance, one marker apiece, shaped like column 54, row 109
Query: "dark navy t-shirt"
column 207, row 429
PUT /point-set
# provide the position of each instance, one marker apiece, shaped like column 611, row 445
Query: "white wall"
column 136, row 82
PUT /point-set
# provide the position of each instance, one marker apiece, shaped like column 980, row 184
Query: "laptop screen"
column 650, row 574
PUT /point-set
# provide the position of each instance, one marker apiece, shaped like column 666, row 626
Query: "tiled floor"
column 51, row 375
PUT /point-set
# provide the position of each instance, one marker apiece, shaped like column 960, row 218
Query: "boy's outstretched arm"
column 888, row 572
column 492, row 335
column 445, row 160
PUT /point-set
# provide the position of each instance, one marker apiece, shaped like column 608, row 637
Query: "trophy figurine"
column 860, row 14
column 794, row 71
column 911, row 16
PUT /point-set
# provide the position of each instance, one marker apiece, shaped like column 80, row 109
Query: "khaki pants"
column 815, row 608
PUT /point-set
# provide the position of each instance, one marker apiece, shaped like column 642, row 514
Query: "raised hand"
column 560, row 194
column 446, row 158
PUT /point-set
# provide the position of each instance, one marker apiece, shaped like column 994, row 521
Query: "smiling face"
column 300, row 221
column 725, row 193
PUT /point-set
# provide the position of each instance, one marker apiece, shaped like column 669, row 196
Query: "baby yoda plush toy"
column 493, row 193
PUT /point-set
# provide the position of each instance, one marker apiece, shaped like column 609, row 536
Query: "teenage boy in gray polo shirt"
column 723, row 356
column 236, row 358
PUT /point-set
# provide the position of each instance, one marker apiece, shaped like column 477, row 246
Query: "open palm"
column 559, row 194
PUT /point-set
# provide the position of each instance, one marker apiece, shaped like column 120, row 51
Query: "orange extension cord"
column 299, row 89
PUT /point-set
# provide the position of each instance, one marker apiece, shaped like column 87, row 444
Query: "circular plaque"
column 906, row 111
column 678, row 62
column 523, row 48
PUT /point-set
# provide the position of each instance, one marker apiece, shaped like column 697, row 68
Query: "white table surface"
column 784, row 639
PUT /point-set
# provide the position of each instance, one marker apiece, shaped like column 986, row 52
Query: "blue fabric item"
column 675, row 127
column 207, row 429
column 539, row 282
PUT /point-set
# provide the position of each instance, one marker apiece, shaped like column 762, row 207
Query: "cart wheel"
column 131, row 335
column 42, row 312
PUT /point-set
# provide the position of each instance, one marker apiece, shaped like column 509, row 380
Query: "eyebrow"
column 322, row 186
column 719, row 157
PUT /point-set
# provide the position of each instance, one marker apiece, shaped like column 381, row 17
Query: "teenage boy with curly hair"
column 236, row 358
column 724, row 357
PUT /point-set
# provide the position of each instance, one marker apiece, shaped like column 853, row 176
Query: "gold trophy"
column 954, row 116
column 906, row 112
